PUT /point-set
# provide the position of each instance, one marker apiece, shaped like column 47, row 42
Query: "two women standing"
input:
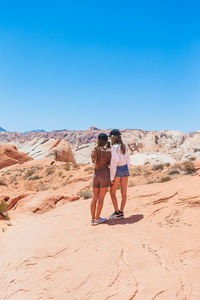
column 117, row 158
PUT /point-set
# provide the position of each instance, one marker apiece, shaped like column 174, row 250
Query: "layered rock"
column 176, row 145
column 9, row 155
column 59, row 150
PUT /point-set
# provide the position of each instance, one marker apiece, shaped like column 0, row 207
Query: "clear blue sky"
column 110, row 64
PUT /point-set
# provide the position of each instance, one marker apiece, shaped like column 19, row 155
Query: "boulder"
column 9, row 155
column 59, row 150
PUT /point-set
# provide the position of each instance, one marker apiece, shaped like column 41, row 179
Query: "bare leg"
column 123, row 183
column 94, row 201
column 113, row 192
column 102, row 193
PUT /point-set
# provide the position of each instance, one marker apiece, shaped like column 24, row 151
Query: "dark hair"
column 102, row 141
column 116, row 139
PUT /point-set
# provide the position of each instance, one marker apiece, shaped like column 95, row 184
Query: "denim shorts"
column 122, row 171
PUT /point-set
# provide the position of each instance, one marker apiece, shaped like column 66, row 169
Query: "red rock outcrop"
column 9, row 155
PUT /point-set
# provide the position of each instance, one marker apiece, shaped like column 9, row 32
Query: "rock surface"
column 9, row 155
column 52, row 252
column 176, row 145
column 59, row 150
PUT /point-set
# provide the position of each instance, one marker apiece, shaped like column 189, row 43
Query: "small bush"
column 3, row 207
column 89, row 170
column 173, row 172
column 28, row 173
column 165, row 179
column 157, row 167
column 67, row 166
column 41, row 187
column 147, row 172
column 12, row 179
column 3, row 182
column 131, row 183
column 60, row 173
column 150, row 182
column 50, row 170
column 86, row 194
column 167, row 165
column 135, row 171
column 192, row 158
column 188, row 167
column 36, row 177
column 75, row 166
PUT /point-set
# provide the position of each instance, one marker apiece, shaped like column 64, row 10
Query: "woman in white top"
column 119, row 172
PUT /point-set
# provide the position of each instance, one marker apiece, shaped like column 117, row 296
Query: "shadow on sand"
column 130, row 220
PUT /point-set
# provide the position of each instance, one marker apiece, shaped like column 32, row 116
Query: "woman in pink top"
column 119, row 172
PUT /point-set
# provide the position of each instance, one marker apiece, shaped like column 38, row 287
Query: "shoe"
column 99, row 221
column 120, row 215
column 93, row 222
column 114, row 215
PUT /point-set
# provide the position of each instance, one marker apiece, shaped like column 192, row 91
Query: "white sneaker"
column 93, row 222
column 99, row 221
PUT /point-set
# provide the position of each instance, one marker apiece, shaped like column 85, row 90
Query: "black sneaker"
column 114, row 215
column 120, row 215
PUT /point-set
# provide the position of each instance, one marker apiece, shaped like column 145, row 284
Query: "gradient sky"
column 109, row 64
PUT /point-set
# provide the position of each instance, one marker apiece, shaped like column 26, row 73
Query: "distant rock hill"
column 2, row 129
column 36, row 130
column 146, row 147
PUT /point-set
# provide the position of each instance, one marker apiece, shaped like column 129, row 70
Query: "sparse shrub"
column 135, row 171
column 177, row 166
column 36, row 177
column 7, row 172
column 165, row 179
column 157, row 167
column 147, row 172
column 28, row 173
column 75, row 166
column 173, row 172
column 41, row 187
column 150, row 182
column 3, row 182
column 192, row 158
column 131, row 183
column 188, row 167
column 89, row 169
column 50, row 170
column 12, row 179
column 3, row 207
column 86, row 194
column 67, row 166
column 167, row 165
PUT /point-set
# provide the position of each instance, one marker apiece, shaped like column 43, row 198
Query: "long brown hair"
column 97, row 149
column 116, row 139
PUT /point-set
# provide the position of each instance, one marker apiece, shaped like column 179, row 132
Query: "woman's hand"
column 112, row 182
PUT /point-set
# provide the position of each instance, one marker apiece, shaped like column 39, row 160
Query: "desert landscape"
column 48, row 248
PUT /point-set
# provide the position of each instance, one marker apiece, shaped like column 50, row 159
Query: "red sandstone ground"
column 52, row 252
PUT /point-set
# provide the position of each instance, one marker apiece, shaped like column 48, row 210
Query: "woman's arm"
column 127, row 156
column 93, row 156
column 113, row 163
